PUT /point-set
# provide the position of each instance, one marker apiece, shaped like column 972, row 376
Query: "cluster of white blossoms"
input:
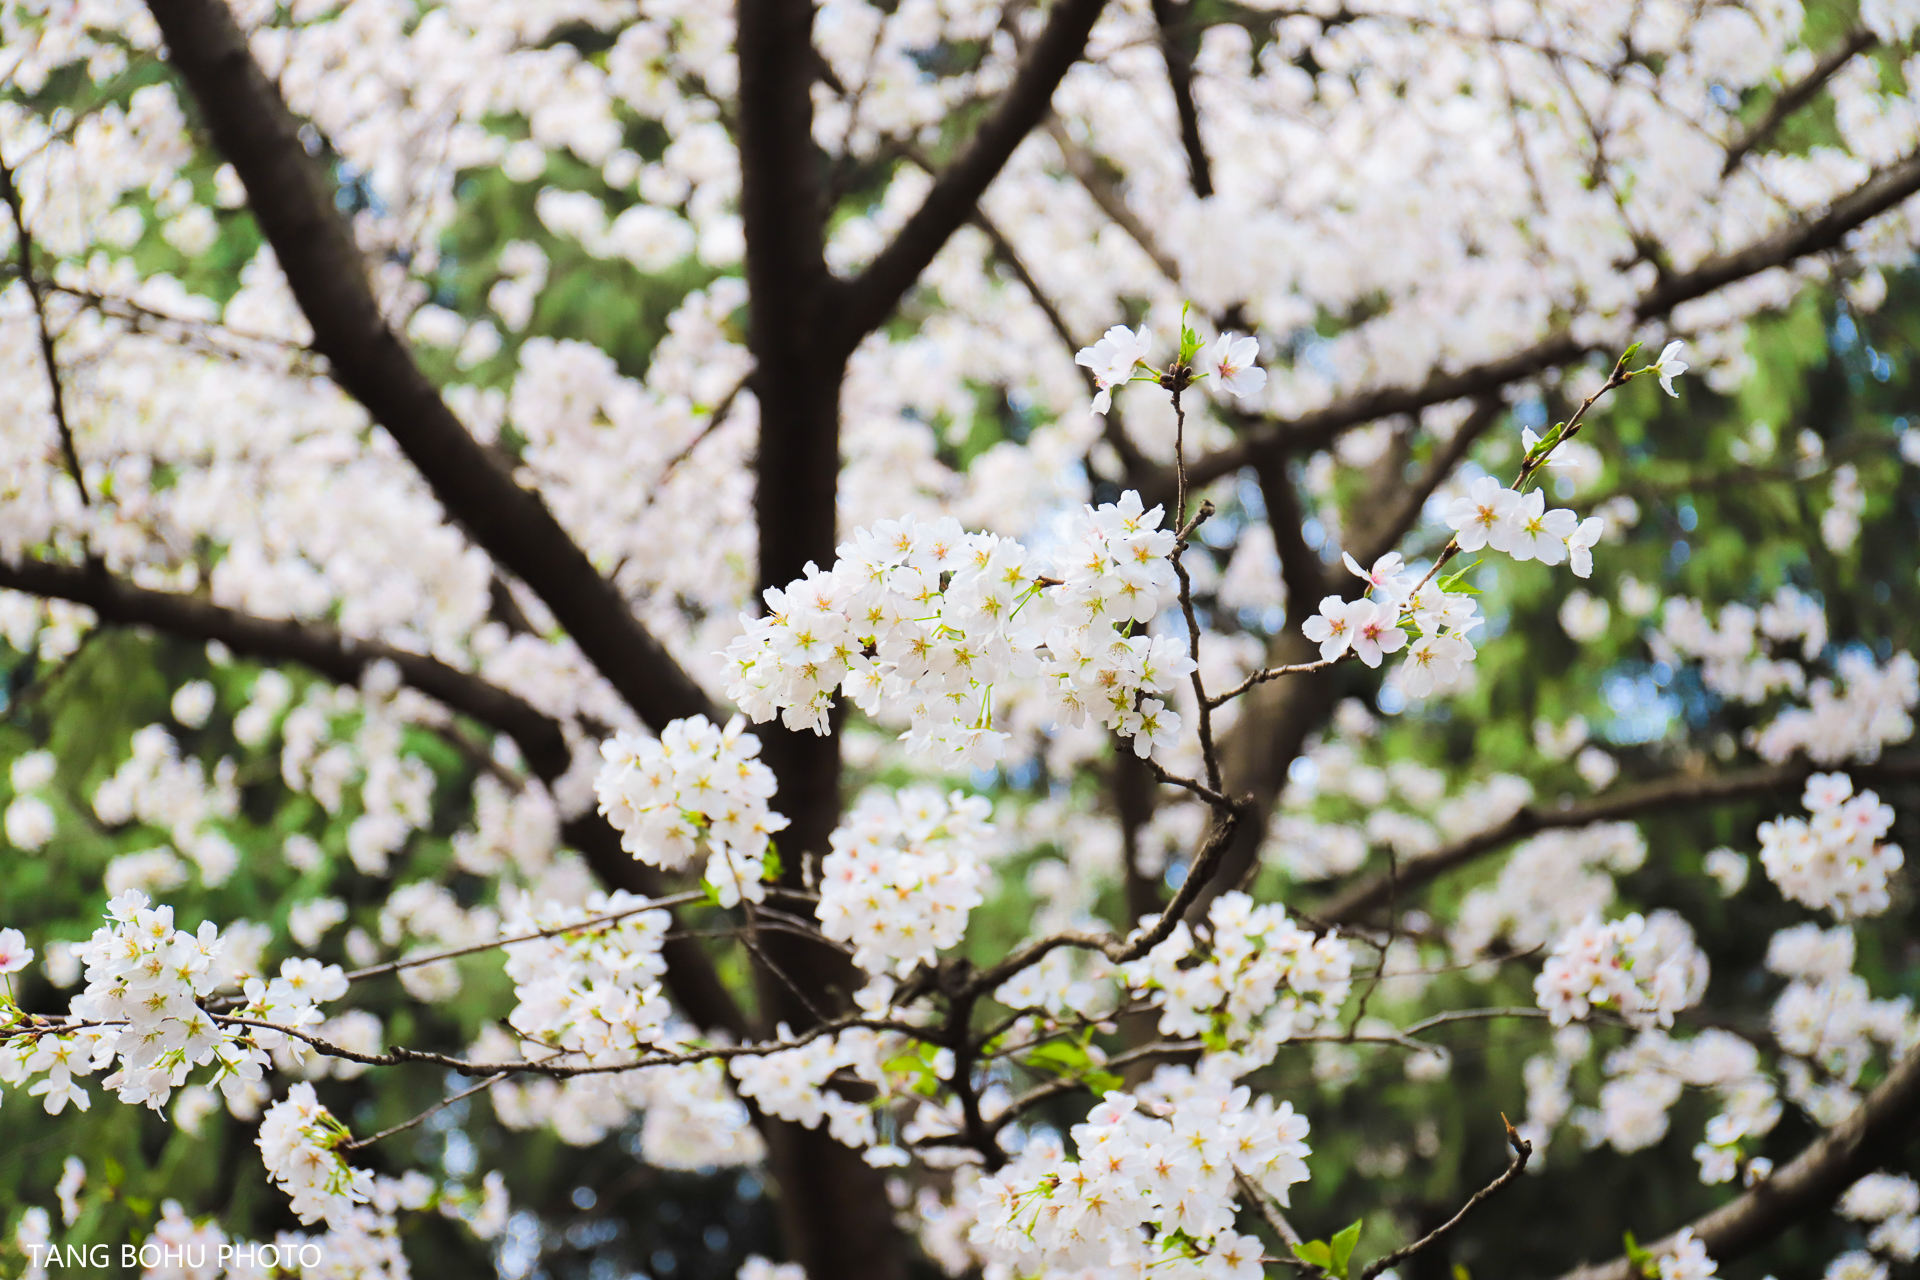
column 1519, row 524
column 1891, row 1201
column 1744, row 654
column 141, row 1009
column 1872, row 708
column 904, row 870
column 695, row 785
column 1826, row 1020
column 1646, row 1077
column 592, row 990
column 1833, row 860
column 1687, row 1260
column 158, row 786
column 1378, row 623
column 1645, row 969
column 298, row 1140
column 920, row 621
column 1154, row 1185
column 1550, row 883
column 790, row 1084
column 1258, row 981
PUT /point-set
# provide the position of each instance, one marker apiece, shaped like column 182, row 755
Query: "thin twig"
column 355, row 1144
column 1271, row 1215
column 23, row 244
column 410, row 962
column 1274, row 673
column 1521, row 1150
column 1618, row 378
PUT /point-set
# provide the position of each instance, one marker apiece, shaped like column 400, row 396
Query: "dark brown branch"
column 1301, row 568
column 1522, row 1149
column 690, row 975
column 355, row 1144
column 1200, row 875
column 1386, row 533
column 23, row 248
column 1104, row 190
column 868, row 300
column 1884, row 190
column 292, row 200
column 1177, row 45
column 1132, row 461
column 1796, row 96
column 339, row 657
column 1356, row 901
column 565, row 1071
column 1873, row 1135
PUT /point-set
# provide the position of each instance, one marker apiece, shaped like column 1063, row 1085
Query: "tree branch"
column 1177, row 47
column 1871, row 1136
column 292, row 201
column 1796, row 96
column 867, row 300
column 1522, row 1149
column 1356, row 901
column 23, row 247
column 339, row 657
column 1106, row 194
column 1392, row 526
column 1884, row 190
column 690, row 975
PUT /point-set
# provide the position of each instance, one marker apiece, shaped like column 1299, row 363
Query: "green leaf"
column 140, row 1205
column 1343, row 1244
column 1070, row 1058
column 1453, row 581
column 1642, row 1260
column 773, row 865
column 1315, row 1253
column 1189, row 340
column 1060, row 1056
column 1460, row 1272
column 115, row 1174
column 1631, row 352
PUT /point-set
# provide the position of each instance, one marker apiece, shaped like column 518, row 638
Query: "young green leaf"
column 1315, row 1253
column 1343, row 1244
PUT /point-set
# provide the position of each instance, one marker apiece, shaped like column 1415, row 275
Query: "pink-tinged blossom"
column 1376, row 631
column 1388, row 576
column 1833, row 858
column 1333, row 627
column 15, row 954
column 1232, row 361
column 1645, row 969
column 904, row 872
column 1433, row 663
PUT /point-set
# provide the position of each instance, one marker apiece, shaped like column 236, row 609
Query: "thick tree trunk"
column 833, row 1207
